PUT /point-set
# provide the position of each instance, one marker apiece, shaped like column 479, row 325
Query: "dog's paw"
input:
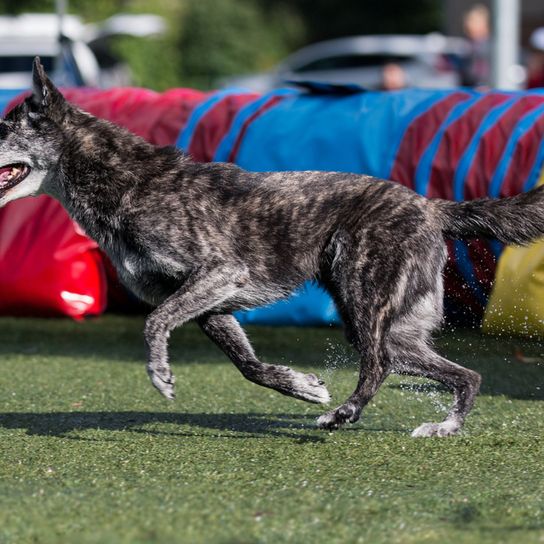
column 307, row 387
column 446, row 428
column 163, row 380
column 289, row 382
column 347, row 413
column 310, row 388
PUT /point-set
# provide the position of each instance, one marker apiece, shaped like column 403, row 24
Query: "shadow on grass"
column 250, row 425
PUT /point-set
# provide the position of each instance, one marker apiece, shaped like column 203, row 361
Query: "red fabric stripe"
column 419, row 135
column 266, row 106
column 454, row 143
column 16, row 101
column 164, row 113
column 484, row 264
column 456, row 288
column 492, row 145
column 214, row 124
column 523, row 159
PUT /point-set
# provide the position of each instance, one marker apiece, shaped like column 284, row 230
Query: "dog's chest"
column 151, row 275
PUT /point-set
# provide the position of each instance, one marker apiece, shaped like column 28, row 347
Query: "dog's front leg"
column 226, row 332
column 204, row 289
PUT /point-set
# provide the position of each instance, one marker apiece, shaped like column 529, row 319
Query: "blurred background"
column 260, row 44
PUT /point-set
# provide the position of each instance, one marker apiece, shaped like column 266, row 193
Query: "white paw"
column 164, row 381
column 302, row 386
column 446, row 428
column 309, row 387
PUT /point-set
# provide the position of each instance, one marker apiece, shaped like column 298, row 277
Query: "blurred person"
column 475, row 69
column 535, row 63
column 393, row 77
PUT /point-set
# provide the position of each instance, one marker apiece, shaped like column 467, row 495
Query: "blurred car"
column 72, row 52
column 426, row 61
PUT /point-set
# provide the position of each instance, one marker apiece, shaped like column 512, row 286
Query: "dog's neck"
column 99, row 167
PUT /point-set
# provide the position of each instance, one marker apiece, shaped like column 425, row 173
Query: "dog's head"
column 31, row 136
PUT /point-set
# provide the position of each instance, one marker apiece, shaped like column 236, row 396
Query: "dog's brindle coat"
column 199, row 241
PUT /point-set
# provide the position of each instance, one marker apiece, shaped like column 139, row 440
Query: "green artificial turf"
column 90, row 453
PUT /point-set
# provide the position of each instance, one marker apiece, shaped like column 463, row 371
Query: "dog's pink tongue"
column 4, row 173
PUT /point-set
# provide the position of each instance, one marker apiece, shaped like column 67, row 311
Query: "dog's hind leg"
column 373, row 371
column 226, row 332
column 420, row 360
column 366, row 300
column 203, row 290
column 410, row 354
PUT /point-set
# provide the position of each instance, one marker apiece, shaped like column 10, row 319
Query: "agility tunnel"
column 458, row 145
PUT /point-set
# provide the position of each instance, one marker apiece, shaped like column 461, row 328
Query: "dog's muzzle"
column 12, row 174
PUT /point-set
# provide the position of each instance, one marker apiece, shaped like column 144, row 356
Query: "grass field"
column 90, row 453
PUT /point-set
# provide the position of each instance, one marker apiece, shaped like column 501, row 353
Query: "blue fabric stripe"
column 423, row 177
column 310, row 305
column 462, row 255
column 186, row 134
column 354, row 132
column 423, row 171
column 407, row 120
column 495, row 245
column 496, row 248
column 523, row 126
column 536, row 169
column 225, row 146
column 463, row 260
column 468, row 156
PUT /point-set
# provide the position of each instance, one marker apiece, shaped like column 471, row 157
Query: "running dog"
column 199, row 241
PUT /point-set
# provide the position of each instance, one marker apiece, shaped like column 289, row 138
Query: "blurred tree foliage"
column 223, row 37
column 326, row 19
column 211, row 39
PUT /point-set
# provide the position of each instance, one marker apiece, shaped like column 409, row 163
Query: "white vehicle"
column 69, row 49
column 424, row 60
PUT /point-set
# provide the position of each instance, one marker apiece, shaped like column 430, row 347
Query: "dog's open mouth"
column 12, row 174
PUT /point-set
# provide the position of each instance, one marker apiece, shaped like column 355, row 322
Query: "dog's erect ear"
column 44, row 94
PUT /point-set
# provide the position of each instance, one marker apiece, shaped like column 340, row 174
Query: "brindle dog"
column 199, row 241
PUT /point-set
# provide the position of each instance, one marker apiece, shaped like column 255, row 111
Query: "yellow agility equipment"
column 516, row 304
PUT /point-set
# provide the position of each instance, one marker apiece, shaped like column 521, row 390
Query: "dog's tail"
column 516, row 220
